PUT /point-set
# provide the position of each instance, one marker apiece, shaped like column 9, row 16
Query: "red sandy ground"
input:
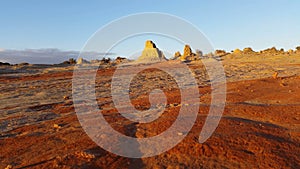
column 250, row 135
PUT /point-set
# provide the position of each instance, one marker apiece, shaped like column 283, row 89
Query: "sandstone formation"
column 149, row 44
column 220, row 52
column 237, row 52
column 275, row 75
column 70, row 61
column 187, row 53
column 248, row 50
column 177, row 55
column 199, row 53
column 82, row 61
column 291, row 51
column 298, row 49
column 105, row 61
column 119, row 60
column 272, row 50
column 151, row 53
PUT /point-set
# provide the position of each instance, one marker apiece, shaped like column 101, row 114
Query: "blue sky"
column 67, row 24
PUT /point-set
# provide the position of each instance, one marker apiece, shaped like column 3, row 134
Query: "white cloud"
column 43, row 56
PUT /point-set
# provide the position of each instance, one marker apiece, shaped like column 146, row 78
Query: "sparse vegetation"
column 4, row 64
column 71, row 61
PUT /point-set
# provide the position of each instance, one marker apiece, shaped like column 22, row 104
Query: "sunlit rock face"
column 151, row 53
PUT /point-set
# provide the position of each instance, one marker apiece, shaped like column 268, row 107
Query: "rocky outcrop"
column 220, row 53
column 149, row 44
column 199, row 53
column 291, row 51
column 82, row 61
column 151, row 53
column 237, row 52
column 248, row 50
column 71, row 61
column 105, row 61
column 187, row 53
column 272, row 50
column 298, row 49
column 120, row 60
column 4, row 64
column 177, row 55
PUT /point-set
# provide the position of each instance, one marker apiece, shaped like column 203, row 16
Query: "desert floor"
column 260, row 126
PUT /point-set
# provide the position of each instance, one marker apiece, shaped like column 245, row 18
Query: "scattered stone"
column 174, row 104
column 282, row 84
column 84, row 155
column 179, row 134
column 275, row 75
column 56, row 126
column 66, row 97
column 8, row 167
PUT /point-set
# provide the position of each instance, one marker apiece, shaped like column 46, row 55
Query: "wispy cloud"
column 45, row 56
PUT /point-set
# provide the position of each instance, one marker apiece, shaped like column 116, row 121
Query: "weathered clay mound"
column 151, row 53
column 248, row 51
column 187, row 55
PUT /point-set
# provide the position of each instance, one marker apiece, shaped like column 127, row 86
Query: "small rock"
column 174, row 105
column 179, row 134
column 275, row 75
column 84, row 155
column 8, row 167
column 66, row 97
column 177, row 54
column 56, row 126
column 282, row 84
